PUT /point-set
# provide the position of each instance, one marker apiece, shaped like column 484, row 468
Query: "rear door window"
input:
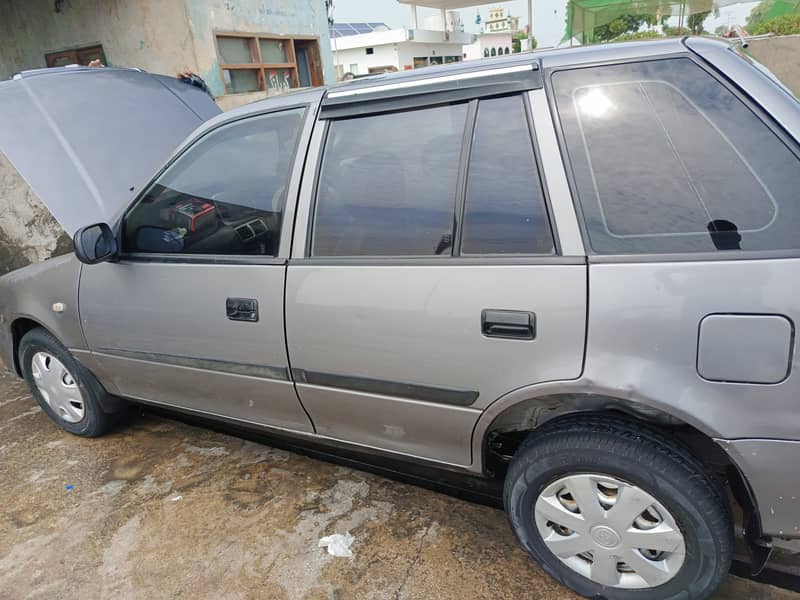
column 391, row 184
column 667, row 159
column 504, row 211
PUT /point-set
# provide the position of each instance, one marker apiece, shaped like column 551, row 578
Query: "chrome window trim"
column 389, row 87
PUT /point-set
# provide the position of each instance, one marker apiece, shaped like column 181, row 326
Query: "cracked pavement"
column 161, row 509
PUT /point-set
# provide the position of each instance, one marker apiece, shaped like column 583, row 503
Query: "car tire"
column 63, row 388
column 613, row 463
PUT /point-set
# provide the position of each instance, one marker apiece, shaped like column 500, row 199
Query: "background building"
column 381, row 49
column 498, row 21
column 489, row 44
column 243, row 49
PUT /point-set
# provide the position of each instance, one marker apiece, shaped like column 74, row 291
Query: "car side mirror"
column 95, row 244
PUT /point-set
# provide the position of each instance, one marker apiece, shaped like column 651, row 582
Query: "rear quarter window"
column 667, row 159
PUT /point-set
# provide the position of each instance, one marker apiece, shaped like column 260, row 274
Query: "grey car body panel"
column 80, row 119
column 422, row 325
column 30, row 293
column 392, row 325
column 135, row 311
column 741, row 348
column 644, row 341
column 771, row 469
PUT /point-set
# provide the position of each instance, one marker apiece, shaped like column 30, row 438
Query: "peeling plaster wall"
column 781, row 55
column 150, row 34
column 28, row 232
column 280, row 17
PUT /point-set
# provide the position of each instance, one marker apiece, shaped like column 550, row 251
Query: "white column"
column 530, row 24
column 413, row 16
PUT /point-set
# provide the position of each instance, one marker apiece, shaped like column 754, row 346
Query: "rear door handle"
column 242, row 309
column 508, row 324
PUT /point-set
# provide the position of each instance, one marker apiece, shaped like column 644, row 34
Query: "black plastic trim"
column 206, row 364
column 202, row 259
column 441, row 261
column 463, row 175
column 412, row 391
column 732, row 255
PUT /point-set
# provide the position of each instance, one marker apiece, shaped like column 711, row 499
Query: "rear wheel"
column 64, row 389
column 615, row 510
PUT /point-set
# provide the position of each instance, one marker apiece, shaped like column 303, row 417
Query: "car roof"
column 538, row 59
column 544, row 58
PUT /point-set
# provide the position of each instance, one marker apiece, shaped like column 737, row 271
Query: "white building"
column 499, row 22
column 394, row 49
column 489, row 44
column 453, row 22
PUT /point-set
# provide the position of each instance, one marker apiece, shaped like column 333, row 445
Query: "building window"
column 76, row 56
column 494, row 51
column 267, row 63
column 370, row 51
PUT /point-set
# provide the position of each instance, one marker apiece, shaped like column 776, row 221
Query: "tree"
column 621, row 25
column 516, row 42
column 785, row 25
column 759, row 13
column 696, row 20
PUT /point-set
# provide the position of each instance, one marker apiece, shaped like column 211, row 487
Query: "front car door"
column 426, row 279
column 192, row 314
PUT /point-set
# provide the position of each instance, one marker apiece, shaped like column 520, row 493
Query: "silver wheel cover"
column 611, row 532
column 58, row 388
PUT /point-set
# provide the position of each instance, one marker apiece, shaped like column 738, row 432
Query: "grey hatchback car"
column 575, row 271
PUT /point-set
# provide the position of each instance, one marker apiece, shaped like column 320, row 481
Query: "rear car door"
column 192, row 314
column 428, row 281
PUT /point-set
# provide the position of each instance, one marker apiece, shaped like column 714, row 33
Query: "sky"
column 548, row 15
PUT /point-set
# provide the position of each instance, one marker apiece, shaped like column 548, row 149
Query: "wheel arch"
column 19, row 327
column 498, row 436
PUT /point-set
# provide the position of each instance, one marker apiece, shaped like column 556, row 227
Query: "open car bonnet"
column 86, row 139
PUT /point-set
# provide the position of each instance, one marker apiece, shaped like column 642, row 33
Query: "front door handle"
column 508, row 324
column 242, row 309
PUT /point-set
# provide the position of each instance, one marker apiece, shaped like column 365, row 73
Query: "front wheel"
column 64, row 389
column 614, row 510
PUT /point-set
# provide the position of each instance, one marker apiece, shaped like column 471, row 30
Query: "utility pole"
column 530, row 24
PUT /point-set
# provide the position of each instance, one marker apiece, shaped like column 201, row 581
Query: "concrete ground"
column 160, row 509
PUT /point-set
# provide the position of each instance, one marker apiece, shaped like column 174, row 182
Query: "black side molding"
column 412, row 391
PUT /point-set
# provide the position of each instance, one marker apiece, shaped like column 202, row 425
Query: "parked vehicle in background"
column 575, row 270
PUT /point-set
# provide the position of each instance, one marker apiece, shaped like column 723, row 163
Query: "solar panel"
column 345, row 29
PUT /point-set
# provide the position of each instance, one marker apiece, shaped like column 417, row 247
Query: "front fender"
column 31, row 293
